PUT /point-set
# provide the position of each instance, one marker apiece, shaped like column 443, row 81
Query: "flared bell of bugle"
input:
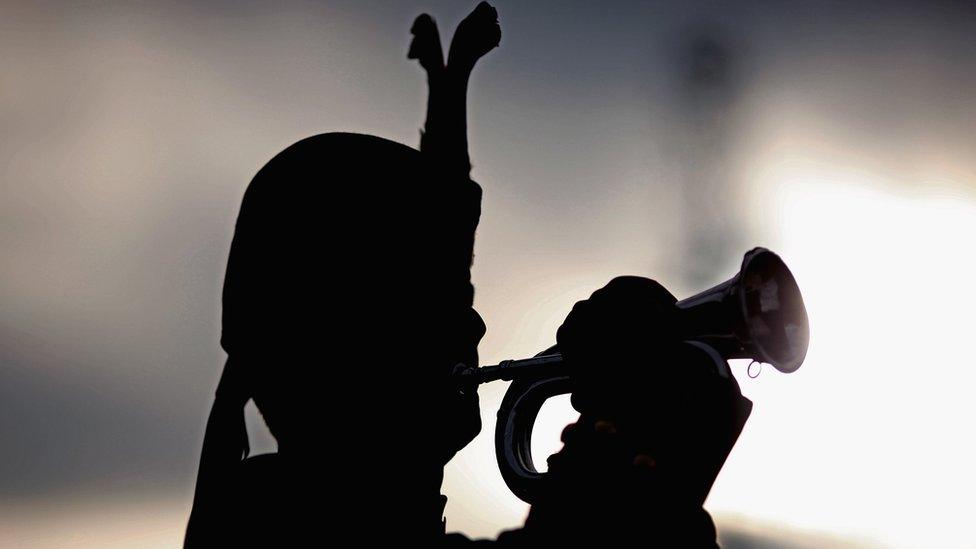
column 758, row 314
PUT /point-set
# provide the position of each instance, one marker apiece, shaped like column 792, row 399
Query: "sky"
column 662, row 139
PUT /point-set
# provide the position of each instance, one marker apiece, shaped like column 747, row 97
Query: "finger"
column 567, row 433
column 476, row 35
column 644, row 461
column 426, row 44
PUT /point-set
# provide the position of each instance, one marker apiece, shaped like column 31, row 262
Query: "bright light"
column 872, row 438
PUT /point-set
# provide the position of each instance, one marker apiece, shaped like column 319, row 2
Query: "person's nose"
column 479, row 328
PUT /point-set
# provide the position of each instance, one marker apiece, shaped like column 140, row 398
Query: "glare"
column 872, row 437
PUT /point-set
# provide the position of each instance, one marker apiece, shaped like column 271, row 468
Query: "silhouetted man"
column 347, row 304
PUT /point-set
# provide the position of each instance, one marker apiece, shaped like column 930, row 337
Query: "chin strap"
column 225, row 444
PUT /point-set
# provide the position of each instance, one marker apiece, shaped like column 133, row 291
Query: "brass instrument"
column 758, row 314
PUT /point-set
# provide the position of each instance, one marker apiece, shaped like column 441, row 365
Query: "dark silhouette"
column 347, row 305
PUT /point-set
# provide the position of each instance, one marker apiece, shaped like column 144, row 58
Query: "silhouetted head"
column 348, row 295
column 346, row 307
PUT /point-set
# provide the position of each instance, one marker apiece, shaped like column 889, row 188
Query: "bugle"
column 758, row 314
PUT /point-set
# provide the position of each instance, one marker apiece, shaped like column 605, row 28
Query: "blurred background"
column 655, row 138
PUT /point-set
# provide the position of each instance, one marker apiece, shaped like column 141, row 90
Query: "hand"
column 476, row 35
column 662, row 399
column 598, row 446
column 608, row 339
column 600, row 490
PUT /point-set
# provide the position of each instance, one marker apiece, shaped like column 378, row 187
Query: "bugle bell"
column 758, row 314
